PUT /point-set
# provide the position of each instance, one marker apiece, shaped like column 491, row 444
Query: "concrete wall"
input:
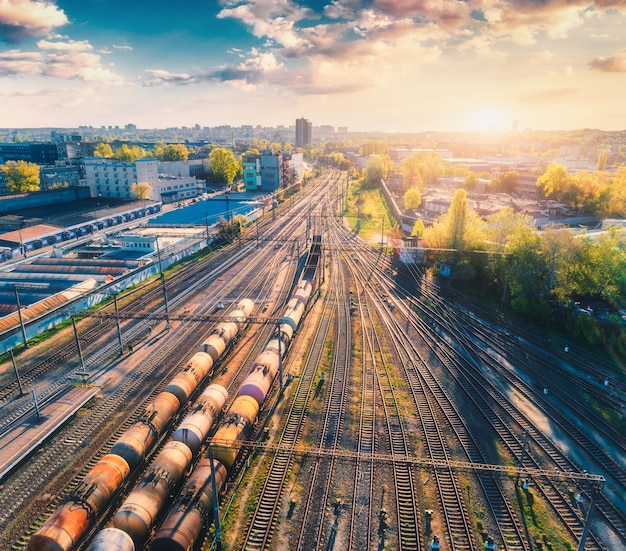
column 11, row 203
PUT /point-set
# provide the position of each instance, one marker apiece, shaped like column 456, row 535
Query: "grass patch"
column 539, row 521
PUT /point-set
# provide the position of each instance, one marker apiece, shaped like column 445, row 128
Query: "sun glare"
column 491, row 119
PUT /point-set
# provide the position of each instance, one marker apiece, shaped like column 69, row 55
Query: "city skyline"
column 387, row 65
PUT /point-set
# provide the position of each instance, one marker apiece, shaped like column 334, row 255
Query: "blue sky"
column 391, row 65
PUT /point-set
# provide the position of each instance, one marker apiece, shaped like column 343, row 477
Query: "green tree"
column 500, row 228
column 103, row 150
column 21, row 176
column 377, row 168
column 275, row 147
column 560, row 249
column 412, row 199
column 527, row 271
column 602, row 159
column 224, row 166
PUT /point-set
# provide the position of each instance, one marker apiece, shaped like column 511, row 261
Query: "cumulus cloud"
column 165, row 78
column 612, row 64
column 67, row 60
column 69, row 46
column 20, row 19
column 332, row 39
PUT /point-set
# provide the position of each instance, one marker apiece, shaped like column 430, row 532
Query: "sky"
column 386, row 65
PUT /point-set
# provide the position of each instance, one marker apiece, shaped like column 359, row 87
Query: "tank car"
column 140, row 437
column 67, row 525
column 112, row 539
column 195, row 427
column 185, row 383
column 235, row 427
column 261, row 375
column 183, row 524
column 138, row 513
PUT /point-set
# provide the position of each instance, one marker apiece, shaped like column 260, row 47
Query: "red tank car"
column 67, row 525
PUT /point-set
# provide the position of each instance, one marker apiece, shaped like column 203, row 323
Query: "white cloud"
column 69, row 46
column 68, row 60
column 20, row 19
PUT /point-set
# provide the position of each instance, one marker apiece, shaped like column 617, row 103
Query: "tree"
column 377, row 169
column 418, row 228
column 224, row 166
column 412, row 199
column 171, row 152
column 554, row 182
column 275, row 147
column 458, row 219
column 103, row 150
column 457, row 229
column 143, row 191
column 527, row 274
column 430, row 166
column 470, row 181
column 508, row 182
column 411, row 172
column 129, row 154
column 602, row 158
column 21, row 176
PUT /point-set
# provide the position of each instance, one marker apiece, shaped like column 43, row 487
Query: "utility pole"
column 19, row 315
column 167, row 311
column 592, row 503
column 17, row 373
column 119, row 329
column 80, row 352
column 216, row 506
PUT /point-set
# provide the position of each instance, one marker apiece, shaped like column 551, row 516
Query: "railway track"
column 573, row 521
column 316, row 532
column 606, row 462
column 21, row 484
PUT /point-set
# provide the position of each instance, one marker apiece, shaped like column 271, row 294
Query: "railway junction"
column 398, row 417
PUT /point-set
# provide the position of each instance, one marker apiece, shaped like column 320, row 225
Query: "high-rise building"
column 304, row 132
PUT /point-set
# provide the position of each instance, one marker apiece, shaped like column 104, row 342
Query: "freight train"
column 191, row 511
column 194, row 505
column 68, row 525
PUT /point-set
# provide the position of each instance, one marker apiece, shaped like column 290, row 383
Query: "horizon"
column 389, row 66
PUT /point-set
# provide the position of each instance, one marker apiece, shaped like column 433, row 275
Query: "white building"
column 113, row 178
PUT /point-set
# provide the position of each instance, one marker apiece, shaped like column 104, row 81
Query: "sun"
column 491, row 119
